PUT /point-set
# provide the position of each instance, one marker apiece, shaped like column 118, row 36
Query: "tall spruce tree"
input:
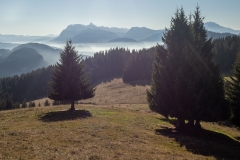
column 212, row 105
column 70, row 82
column 186, row 84
column 233, row 91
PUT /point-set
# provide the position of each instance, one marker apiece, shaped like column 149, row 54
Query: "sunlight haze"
column 35, row 17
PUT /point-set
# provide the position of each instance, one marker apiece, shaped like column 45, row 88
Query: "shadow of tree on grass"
column 204, row 142
column 65, row 115
column 171, row 121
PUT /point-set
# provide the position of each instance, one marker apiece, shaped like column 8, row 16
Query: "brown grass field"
column 116, row 125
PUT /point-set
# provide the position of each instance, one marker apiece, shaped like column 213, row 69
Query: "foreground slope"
column 111, row 130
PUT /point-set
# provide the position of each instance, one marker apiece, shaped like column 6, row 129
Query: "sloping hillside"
column 110, row 131
column 114, row 91
column 51, row 55
column 21, row 61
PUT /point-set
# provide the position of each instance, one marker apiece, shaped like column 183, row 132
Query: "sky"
column 44, row 17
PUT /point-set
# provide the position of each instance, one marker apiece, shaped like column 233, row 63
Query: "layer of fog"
column 86, row 49
column 89, row 49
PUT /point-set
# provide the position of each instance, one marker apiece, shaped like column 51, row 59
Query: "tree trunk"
column 197, row 124
column 72, row 106
column 180, row 123
column 190, row 123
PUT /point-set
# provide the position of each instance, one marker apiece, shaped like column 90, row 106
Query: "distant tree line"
column 137, row 64
column 109, row 63
column 130, row 65
column 232, row 87
column 226, row 50
column 18, row 89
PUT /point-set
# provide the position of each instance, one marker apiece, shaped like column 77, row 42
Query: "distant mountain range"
column 21, row 61
column 98, row 34
column 215, row 35
column 24, row 39
column 49, row 54
column 76, row 29
column 26, row 57
column 214, row 27
column 123, row 40
column 141, row 33
column 7, row 45
column 93, row 34
column 4, row 53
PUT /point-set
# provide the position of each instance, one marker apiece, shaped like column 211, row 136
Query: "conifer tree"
column 30, row 104
column 233, row 91
column 24, row 104
column 69, row 79
column 9, row 103
column 46, row 103
column 186, row 84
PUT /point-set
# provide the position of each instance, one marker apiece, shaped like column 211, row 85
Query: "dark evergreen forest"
column 226, row 50
column 117, row 62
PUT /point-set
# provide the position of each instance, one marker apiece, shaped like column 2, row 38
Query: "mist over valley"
column 106, row 79
column 88, row 40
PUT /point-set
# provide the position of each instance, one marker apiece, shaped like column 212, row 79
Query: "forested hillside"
column 226, row 52
column 21, row 61
column 131, row 65
column 30, row 86
column 117, row 62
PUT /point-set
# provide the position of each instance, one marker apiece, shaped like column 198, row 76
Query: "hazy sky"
column 43, row 17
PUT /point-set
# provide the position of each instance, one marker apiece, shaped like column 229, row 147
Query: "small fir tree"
column 56, row 103
column 24, row 104
column 9, row 103
column 46, row 103
column 69, row 79
column 31, row 104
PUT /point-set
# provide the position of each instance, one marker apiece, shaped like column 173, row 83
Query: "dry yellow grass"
column 117, row 92
column 114, row 131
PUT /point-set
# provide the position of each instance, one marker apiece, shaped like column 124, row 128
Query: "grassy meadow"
column 115, row 124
